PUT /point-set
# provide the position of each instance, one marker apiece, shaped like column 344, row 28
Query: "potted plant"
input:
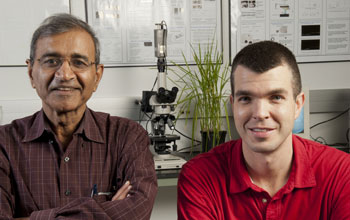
column 203, row 96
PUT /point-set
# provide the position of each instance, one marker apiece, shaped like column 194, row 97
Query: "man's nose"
column 261, row 110
column 65, row 72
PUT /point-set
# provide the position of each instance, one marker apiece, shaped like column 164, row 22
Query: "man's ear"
column 99, row 74
column 30, row 72
column 299, row 103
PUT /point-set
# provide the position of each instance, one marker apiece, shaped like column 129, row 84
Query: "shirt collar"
column 302, row 174
column 89, row 127
column 36, row 127
column 239, row 178
column 92, row 126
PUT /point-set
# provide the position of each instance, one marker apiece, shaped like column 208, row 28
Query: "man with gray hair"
column 67, row 161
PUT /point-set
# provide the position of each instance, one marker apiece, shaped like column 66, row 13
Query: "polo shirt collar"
column 239, row 178
column 88, row 127
column 301, row 176
column 304, row 174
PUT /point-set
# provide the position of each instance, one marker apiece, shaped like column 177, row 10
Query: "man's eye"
column 52, row 61
column 276, row 97
column 244, row 99
column 79, row 63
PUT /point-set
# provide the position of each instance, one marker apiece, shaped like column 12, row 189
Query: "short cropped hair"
column 61, row 23
column 265, row 55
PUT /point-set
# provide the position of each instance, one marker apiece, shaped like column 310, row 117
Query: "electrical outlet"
column 138, row 102
column 186, row 112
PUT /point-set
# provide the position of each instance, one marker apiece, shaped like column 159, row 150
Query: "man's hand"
column 122, row 193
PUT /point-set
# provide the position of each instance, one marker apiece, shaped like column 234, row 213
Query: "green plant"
column 203, row 96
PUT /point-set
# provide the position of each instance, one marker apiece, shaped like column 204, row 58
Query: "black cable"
column 323, row 141
column 144, row 114
column 313, row 137
column 330, row 119
column 338, row 144
column 185, row 148
column 140, row 117
column 154, row 84
column 150, row 117
column 186, row 136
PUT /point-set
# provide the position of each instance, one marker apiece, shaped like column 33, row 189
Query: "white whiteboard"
column 314, row 30
column 18, row 20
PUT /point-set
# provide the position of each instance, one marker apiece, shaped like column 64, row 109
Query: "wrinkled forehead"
column 66, row 44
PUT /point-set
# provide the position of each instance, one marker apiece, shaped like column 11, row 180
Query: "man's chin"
column 63, row 108
column 261, row 146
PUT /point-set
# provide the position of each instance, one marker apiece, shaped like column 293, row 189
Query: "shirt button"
column 68, row 192
column 264, row 200
column 66, row 159
column 50, row 141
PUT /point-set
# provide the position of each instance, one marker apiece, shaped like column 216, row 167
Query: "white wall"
column 131, row 81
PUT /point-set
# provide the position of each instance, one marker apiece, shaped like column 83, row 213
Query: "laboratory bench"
column 168, row 177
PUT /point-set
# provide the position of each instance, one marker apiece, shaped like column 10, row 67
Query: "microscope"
column 162, row 103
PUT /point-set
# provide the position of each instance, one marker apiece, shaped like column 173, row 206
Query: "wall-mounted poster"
column 126, row 28
column 315, row 30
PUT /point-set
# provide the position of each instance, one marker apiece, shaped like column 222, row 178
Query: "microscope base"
column 168, row 161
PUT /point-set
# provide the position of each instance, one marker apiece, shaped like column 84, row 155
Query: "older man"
column 67, row 161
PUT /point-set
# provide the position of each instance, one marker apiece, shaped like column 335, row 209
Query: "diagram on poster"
column 314, row 30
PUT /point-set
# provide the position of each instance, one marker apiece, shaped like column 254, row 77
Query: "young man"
column 67, row 161
column 268, row 173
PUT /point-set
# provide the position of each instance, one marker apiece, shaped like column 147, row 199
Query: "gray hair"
column 61, row 23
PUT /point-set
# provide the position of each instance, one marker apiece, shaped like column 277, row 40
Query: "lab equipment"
column 162, row 104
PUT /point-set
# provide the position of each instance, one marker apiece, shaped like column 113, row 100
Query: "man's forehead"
column 266, row 92
column 273, row 78
column 66, row 44
column 242, row 71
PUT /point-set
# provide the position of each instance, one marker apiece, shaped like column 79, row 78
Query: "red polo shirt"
column 216, row 185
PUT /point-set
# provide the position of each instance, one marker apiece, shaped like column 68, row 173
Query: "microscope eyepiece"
column 166, row 96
